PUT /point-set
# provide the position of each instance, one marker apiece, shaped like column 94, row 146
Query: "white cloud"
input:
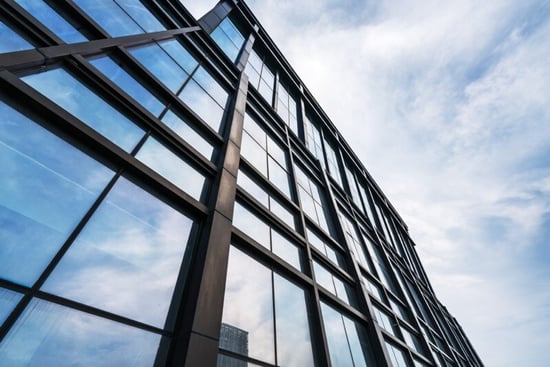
column 447, row 106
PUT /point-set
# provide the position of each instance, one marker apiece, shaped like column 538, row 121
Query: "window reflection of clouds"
column 180, row 127
column 59, row 86
column 51, row 19
column 204, row 105
column 8, row 301
column 292, row 329
column 345, row 339
column 248, row 304
column 110, row 17
column 158, row 63
column 11, row 41
column 127, row 258
column 86, row 340
column 128, row 84
column 172, row 167
column 266, row 236
column 46, row 187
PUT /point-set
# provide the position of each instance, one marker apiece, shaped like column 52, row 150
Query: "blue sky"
column 447, row 104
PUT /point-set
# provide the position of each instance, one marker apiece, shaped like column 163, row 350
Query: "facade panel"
column 172, row 195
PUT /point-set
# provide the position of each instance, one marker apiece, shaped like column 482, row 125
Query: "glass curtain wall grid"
column 161, row 203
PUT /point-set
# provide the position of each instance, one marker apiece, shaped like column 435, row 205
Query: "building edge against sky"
column 173, row 195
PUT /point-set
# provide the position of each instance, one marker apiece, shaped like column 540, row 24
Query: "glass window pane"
column 278, row 176
column 223, row 41
column 293, row 340
column 357, row 342
column 180, row 54
column 226, row 361
column 52, row 335
column 8, row 301
column 284, row 214
column 251, row 225
column 11, row 41
column 199, row 101
column 255, row 131
column 248, row 306
column 285, row 249
column 338, row 347
column 141, row 15
column 127, row 258
column 62, row 88
column 46, row 187
column 51, row 19
column 210, row 85
column 172, row 167
column 110, row 17
column 161, row 65
column 128, row 84
column 180, row 127
column 254, row 154
column 253, row 188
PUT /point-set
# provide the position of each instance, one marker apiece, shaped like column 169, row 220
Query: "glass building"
column 171, row 194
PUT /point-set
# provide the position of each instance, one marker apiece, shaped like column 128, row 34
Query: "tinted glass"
column 202, row 103
column 127, row 258
column 141, row 15
column 51, row 19
column 158, row 63
column 180, row 54
column 8, row 301
column 172, row 167
column 128, row 84
column 180, row 127
column 251, row 225
column 248, row 306
column 46, row 187
column 47, row 334
column 11, row 41
column 62, row 88
column 228, row 38
column 338, row 347
column 293, row 340
column 285, row 249
column 110, row 17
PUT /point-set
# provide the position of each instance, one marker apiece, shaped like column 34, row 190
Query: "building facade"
column 171, row 194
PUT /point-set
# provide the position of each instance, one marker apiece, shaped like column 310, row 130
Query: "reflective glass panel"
column 62, row 88
column 248, row 306
column 278, row 176
column 110, row 17
column 127, row 258
column 162, row 66
column 254, row 153
column 293, row 340
column 384, row 320
column 128, row 84
column 180, row 127
column 228, row 38
column 141, row 15
column 172, row 167
column 202, row 103
column 11, row 41
column 46, row 187
column 251, row 225
column 338, row 347
column 332, row 161
column 396, row 355
column 285, row 249
column 226, row 361
column 180, row 54
column 250, row 186
column 8, row 301
column 51, row 19
column 310, row 198
column 346, row 339
column 48, row 334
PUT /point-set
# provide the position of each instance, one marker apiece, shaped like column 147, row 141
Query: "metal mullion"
column 240, row 357
column 98, row 144
column 50, row 54
column 264, row 255
column 23, row 303
column 273, row 220
column 99, row 312
column 32, row 24
column 257, row 176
